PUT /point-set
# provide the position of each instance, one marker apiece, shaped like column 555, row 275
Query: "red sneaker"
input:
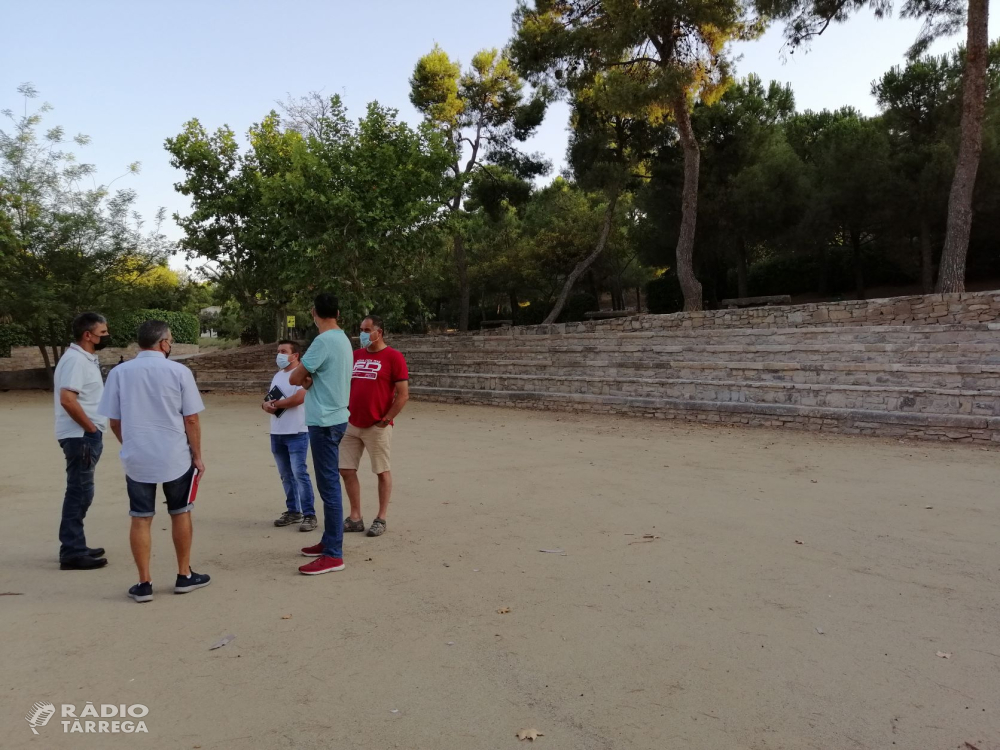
column 322, row 565
column 315, row 551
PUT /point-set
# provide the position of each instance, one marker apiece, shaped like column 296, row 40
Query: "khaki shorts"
column 377, row 440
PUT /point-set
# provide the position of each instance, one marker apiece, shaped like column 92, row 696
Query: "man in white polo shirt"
column 78, row 386
column 153, row 405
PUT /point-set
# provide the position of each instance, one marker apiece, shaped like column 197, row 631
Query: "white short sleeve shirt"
column 151, row 396
column 293, row 420
column 80, row 372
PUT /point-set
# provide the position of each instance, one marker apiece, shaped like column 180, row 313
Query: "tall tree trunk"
column 926, row 257
column 824, row 271
column 951, row 276
column 690, row 285
column 514, row 306
column 859, row 269
column 50, row 367
column 742, row 271
column 638, row 299
column 617, row 295
column 583, row 265
column 462, row 265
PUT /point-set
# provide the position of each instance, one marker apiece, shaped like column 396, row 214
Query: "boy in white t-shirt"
column 290, row 441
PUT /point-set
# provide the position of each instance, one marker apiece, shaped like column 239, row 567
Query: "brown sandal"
column 350, row 525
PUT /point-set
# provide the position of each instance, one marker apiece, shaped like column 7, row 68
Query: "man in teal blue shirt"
column 325, row 371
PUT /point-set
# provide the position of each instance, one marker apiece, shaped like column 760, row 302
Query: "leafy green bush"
column 12, row 334
column 124, row 327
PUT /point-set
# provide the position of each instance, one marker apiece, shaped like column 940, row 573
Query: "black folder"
column 274, row 395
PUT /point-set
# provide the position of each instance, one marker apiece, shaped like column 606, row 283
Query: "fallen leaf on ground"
column 970, row 746
column 503, row 611
column 943, row 655
column 928, row 507
column 12, row 593
column 820, row 631
column 553, row 551
column 529, row 734
column 222, row 642
column 797, row 541
column 286, row 617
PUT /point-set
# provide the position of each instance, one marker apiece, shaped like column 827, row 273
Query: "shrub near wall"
column 125, row 326
column 12, row 335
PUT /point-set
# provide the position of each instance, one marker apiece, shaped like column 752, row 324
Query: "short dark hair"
column 151, row 333
column 327, row 305
column 296, row 346
column 376, row 321
column 86, row 322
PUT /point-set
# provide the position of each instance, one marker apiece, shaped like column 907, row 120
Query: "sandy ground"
column 707, row 636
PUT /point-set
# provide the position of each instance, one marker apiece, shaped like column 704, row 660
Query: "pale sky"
column 129, row 74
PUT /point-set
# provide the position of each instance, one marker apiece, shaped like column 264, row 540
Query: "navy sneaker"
column 142, row 592
column 191, row 582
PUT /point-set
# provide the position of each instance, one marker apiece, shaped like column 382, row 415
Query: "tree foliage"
column 67, row 246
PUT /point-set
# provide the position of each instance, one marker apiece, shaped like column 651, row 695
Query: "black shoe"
column 142, row 592
column 95, row 551
column 190, row 583
column 83, row 562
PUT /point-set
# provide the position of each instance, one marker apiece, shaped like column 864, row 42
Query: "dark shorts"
column 142, row 496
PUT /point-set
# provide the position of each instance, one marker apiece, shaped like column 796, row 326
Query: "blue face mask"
column 366, row 339
column 282, row 361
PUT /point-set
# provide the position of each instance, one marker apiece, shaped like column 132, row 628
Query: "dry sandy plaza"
column 608, row 582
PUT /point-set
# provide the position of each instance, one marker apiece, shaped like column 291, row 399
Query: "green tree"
column 671, row 53
column 810, row 18
column 920, row 117
column 352, row 205
column 483, row 114
column 68, row 248
column 608, row 149
column 230, row 224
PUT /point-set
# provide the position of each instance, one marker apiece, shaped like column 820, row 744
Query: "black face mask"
column 104, row 342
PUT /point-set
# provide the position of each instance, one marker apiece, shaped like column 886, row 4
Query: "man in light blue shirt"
column 153, row 405
column 325, row 370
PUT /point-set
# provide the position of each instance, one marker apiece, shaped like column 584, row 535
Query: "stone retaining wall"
column 28, row 357
column 931, row 309
column 925, row 367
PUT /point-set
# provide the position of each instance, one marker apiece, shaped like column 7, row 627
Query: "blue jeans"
column 290, row 453
column 325, row 443
column 82, row 455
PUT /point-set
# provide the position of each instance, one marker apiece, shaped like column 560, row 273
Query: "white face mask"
column 282, row 361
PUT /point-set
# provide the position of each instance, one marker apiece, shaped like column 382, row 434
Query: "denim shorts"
column 142, row 496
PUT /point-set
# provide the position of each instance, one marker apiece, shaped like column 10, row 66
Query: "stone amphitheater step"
column 234, row 386
column 952, row 427
column 614, row 351
column 834, row 373
column 972, row 333
column 874, row 398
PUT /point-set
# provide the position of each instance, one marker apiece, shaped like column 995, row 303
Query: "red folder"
column 193, row 493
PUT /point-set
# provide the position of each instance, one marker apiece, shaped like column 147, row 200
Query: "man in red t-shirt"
column 379, row 390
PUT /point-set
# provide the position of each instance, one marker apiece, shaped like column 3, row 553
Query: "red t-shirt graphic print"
column 373, row 383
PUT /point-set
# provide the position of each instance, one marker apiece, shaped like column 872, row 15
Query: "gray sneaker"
column 377, row 528
column 288, row 518
column 308, row 523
